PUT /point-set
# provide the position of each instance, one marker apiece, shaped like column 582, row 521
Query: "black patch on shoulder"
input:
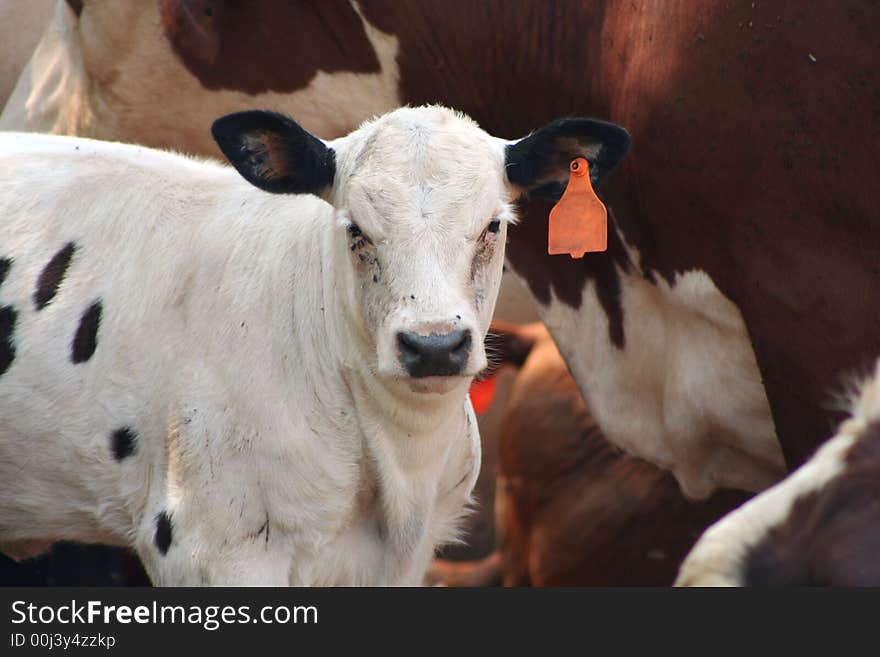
column 123, row 442
column 831, row 536
column 163, row 532
column 5, row 266
column 8, row 317
column 86, row 339
column 783, row 556
column 764, row 567
column 52, row 275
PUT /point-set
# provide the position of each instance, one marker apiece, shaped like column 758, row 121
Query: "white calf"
column 254, row 388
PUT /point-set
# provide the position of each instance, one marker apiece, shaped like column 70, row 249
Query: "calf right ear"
column 272, row 152
column 539, row 164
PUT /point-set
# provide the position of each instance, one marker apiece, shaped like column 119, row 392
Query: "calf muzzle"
column 434, row 354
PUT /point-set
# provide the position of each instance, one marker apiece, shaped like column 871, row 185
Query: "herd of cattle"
column 258, row 373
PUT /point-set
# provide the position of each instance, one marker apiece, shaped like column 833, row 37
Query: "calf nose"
column 435, row 354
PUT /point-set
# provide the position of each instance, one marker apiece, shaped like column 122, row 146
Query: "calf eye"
column 358, row 238
column 494, row 226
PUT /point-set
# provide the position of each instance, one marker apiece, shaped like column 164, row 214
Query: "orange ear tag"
column 579, row 221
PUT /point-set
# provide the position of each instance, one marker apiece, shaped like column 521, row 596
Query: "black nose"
column 436, row 354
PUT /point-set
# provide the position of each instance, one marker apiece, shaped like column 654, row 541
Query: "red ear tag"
column 482, row 393
column 579, row 221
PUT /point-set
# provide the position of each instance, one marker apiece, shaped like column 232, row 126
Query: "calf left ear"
column 539, row 163
column 272, row 152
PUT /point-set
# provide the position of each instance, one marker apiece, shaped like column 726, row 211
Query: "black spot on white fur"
column 86, row 339
column 52, row 275
column 5, row 266
column 123, row 442
column 163, row 532
column 8, row 318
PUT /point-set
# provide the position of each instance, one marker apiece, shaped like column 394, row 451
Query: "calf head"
column 423, row 201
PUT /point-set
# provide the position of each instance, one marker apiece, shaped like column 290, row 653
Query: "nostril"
column 408, row 343
column 463, row 344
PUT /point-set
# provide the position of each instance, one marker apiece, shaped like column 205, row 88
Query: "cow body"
column 818, row 527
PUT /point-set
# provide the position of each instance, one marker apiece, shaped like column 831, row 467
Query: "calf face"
column 423, row 200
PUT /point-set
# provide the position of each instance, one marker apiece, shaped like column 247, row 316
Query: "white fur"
column 718, row 559
column 684, row 392
column 241, row 340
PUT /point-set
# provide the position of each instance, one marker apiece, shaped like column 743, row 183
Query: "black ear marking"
column 539, row 163
column 272, row 152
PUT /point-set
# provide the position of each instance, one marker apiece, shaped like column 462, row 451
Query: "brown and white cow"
column 571, row 510
column 735, row 292
column 818, row 527
column 121, row 69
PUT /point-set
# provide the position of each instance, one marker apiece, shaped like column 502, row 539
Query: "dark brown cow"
column 570, row 508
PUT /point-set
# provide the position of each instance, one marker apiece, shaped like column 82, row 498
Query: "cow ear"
column 539, row 163
column 272, row 152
